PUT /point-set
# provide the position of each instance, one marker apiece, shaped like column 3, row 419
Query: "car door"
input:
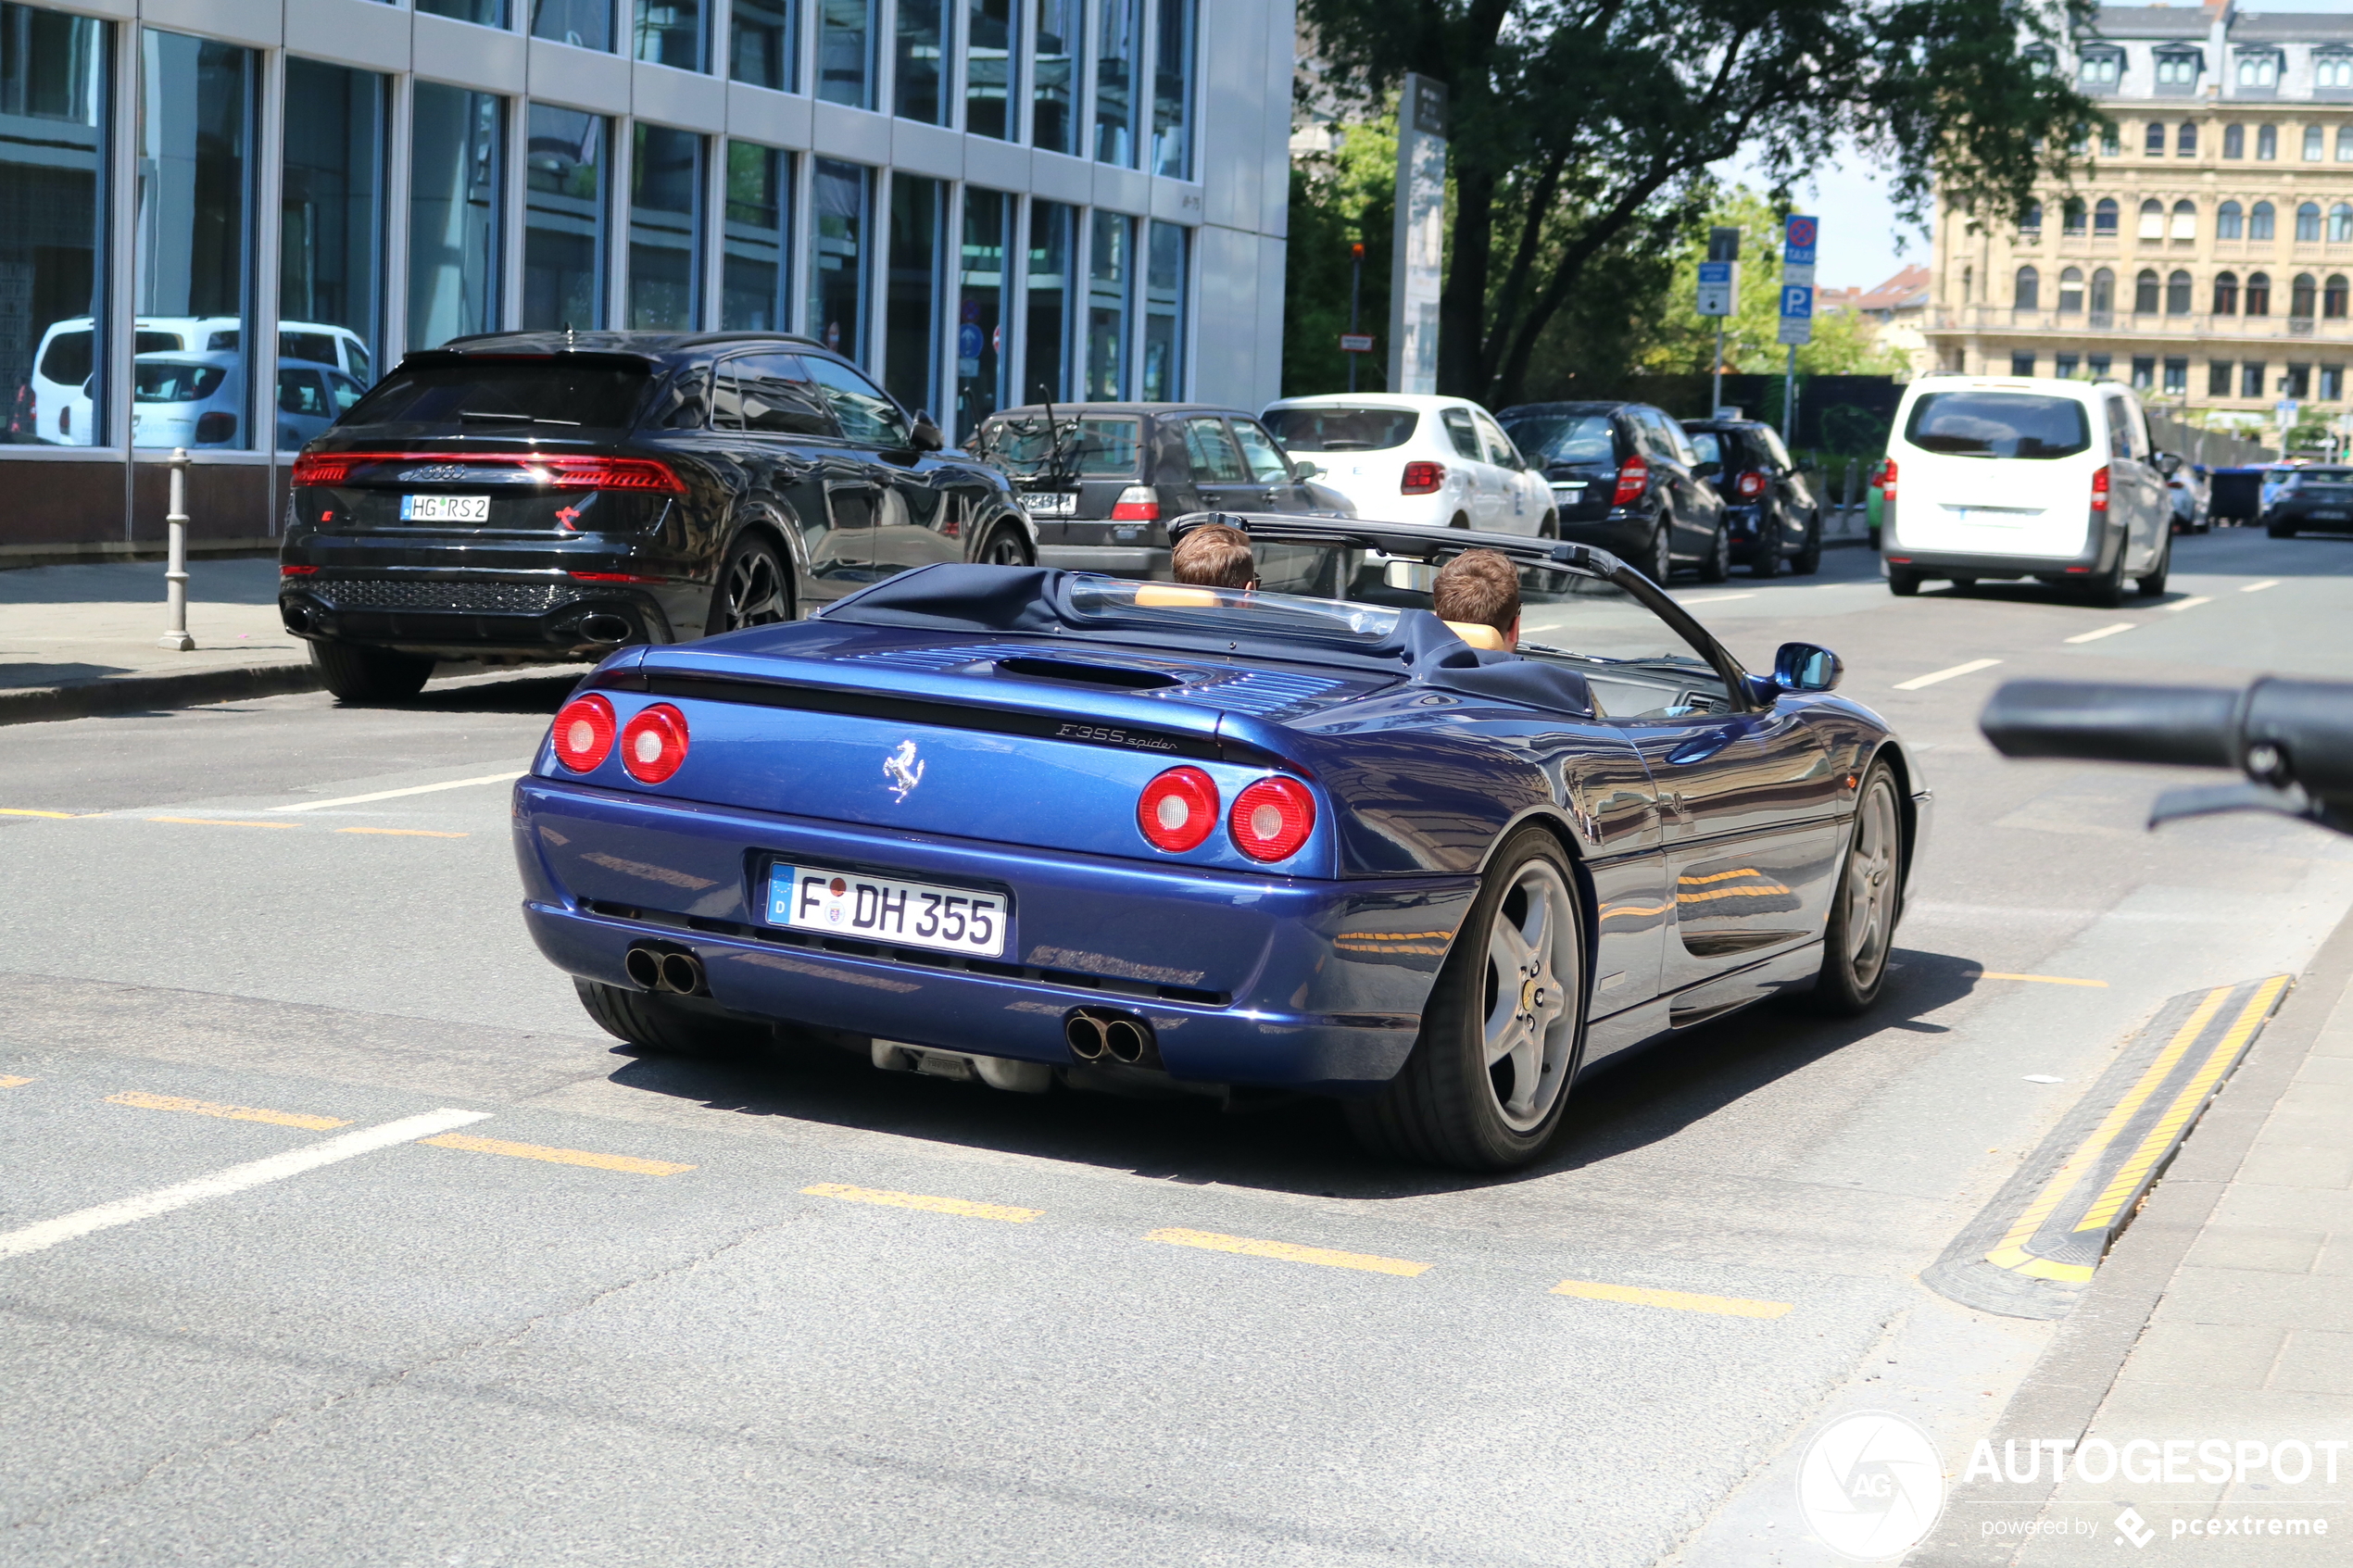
column 1478, row 496
column 305, row 406
column 1517, row 509
column 1785, row 484
column 1219, row 475
column 1698, row 510
column 766, row 403
column 912, row 516
column 2134, row 480
column 1269, row 469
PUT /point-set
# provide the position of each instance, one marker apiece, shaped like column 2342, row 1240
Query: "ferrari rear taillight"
column 638, row 475
column 1751, row 485
column 1887, row 480
column 1177, row 809
column 1422, row 479
column 1633, row 477
column 583, row 733
column 1137, row 503
column 653, row 746
column 2099, row 490
column 1272, row 818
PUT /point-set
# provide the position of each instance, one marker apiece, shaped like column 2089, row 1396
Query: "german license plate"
column 907, row 914
column 445, row 508
column 1050, row 503
column 2326, row 515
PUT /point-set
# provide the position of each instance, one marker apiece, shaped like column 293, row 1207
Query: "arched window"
column 2185, row 140
column 2302, row 296
column 2230, row 223
column 2258, row 221
column 2071, row 217
column 2145, row 292
column 2331, row 68
column 2153, row 219
column 2152, row 139
column 2308, row 222
column 2070, row 291
column 2177, row 293
column 2226, row 293
column 2235, row 140
column 2103, row 293
column 2029, row 222
column 2104, row 216
column 2185, row 220
column 2333, row 297
column 2341, row 223
column 2029, row 289
column 2259, row 294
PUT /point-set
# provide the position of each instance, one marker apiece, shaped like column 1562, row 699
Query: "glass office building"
column 221, row 220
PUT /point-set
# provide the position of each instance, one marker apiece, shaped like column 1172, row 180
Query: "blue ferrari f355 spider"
column 1030, row 825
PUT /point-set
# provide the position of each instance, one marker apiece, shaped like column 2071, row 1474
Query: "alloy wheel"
column 1868, row 887
column 1530, row 1027
column 1004, row 548
column 755, row 590
column 1662, row 552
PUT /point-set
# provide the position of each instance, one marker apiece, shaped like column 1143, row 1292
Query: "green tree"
column 1683, row 340
column 1339, row 199
column 1577, row 123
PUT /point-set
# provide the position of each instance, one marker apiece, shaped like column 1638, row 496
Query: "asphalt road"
column 608, row 1317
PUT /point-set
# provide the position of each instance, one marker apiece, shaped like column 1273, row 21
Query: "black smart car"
column 1102, row 481
column 1625, row 477
column 2316, row 498
column 555, row 496
column 1771, row 511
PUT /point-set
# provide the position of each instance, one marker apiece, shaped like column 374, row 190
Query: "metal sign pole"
column 175, row 569
column 1716, row 393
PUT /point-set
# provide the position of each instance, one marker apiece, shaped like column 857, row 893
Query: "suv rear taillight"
column 653, row 746
column 583, row 733
column 2099, row 490
column 1887, row 480
column 1422, row 479
column 1271, row 818
column 1177, row 809
column 1633, row 477
column 1137, row 503
column 643, row 475
column 1751, row 485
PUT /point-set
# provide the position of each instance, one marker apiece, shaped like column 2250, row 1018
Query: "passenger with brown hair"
column 1215, row 556
column 1477, row 594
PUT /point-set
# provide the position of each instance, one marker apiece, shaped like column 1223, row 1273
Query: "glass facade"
column 330, row 213
column 455, row 163
column 191, row 384
column 565, row 199
column 846, row 51
column 1053, row 110
column 1173, row 90
column 1163, row 371
column 1046, row 321
column 988, row 67
column 55, row 113
column 482, row 13
column 919, row 80
column 669, row 33
column 844, row 195
column 981, row 292
column 763, row 44
column 1119, row 49
column 910, row 303
column 1110, row 265
column 585, row 24
column 665, row 230
column 755, row 288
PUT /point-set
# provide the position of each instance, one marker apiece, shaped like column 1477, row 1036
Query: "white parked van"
column 2022, row 476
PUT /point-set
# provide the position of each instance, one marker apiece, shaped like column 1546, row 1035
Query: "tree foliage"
column 1339, row 198
column 1580, row 127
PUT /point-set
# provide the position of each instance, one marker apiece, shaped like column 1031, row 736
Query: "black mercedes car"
column 1102, row 481
column 2317, row 499
column 556, row 494
column 1625, row 477
column 1770, row 511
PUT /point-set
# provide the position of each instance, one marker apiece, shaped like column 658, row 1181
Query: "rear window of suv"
column 1096, row 447
column 1342, row 429
column 493, row 394
column 1998, row 424
column 1564, row 438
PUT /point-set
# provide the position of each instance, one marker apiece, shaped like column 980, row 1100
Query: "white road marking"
column 2258, row 587
column 1971, row 667
column 2190, row 603
column 2103, row 632
column 1716, row 599
column 507, row 777
column 235, row 1179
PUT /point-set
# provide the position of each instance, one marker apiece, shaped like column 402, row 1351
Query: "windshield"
column 1564, row 438
column 2320, row 476
column 174, row 382
column 1094, row 445
column 1226, row 611
column 1998, row 424
column 494, row 394
column 1342, row 429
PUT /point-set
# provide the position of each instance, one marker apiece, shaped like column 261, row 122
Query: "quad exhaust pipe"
column 666, row 968
column 1106, row 1034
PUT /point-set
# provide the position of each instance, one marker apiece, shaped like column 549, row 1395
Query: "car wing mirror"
column 2169, row 463
column 925, row 436
column 1803, row 666
column 1307, row 470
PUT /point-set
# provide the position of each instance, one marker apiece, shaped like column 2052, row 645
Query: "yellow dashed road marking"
column 2040, row 979
column 227, row 1113
column 925, row 1202
column 21, row 811
column 1250, row 1248
column 387, row 832
column 556, row 1156
column 9, row 1081
column 219, row 822
column 1674, row 1300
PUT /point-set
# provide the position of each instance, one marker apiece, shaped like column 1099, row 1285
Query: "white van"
column 2023, row 476
column 61, row 366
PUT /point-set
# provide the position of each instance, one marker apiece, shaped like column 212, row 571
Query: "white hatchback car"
column 59, row 387
column 1439, row 461
column 2018, row 476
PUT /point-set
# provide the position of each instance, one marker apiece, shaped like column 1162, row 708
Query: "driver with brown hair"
column 1215, row 556
column 1477, row 594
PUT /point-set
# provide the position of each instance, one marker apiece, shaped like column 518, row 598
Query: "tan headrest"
column 1479, row 635
column 1165, row 596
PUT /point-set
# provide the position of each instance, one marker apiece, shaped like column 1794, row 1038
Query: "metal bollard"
column 175, row 571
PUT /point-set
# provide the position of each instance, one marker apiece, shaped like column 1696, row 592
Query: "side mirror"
column 1307, row 470
column 1707, row 467
column 1802, row 667
column 2168, row 463
column 925, row 436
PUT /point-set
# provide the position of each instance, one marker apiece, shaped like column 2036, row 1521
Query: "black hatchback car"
column 1102, row 481
column 2316, row 498
column 556, row 495
column 1771, row 511
column 1625, row 477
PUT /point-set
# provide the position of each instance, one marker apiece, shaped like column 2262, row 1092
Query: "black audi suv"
column 556, row 494
column 1625, row 477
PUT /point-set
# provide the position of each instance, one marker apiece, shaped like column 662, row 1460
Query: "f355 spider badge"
column 903, row 769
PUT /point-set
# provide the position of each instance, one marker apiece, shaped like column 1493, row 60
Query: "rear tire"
column 1006, row 548
column 363, row 674
column 1716, row 565
column 1488, row 1081
column 657, row 1025
column 2154, row 583
column 2109, row 592
column 1903, row 583
column 1767, row 561
column 2281, row 530
column 1867, row 901
column 754, row 588
column 1809, row 560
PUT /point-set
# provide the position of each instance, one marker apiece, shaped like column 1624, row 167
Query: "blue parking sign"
column 1798, row 301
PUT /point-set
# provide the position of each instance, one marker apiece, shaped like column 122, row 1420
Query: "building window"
column 2259, row 69
column 762, row 42
column 755, row 269
column 2186, row 141
column 2177, row 377
column 2333, row 297
column 988, row 67
column 2331, row 68
column 1053, row 242
column 2145, row 292
column 2226, row 293
column 2021, row 364
column 583, row 24
column 1119, row 52
column 2341, row 224
column 2299, row 382
column 912, row 297
column 2177, row 69
column 845, row 52
column 2072, row 216
column 2331, row 384
column 564, row 219
column 2095, row 366
column 55, row 76
column 2152, row 139
column 2030, row 223
column 2218, row 378
column 2102, row 67
column 2064, row 366
column 845, row 196
column 1110, row 274
column 2111, row 144
column 2070, row 291
column 2185, row 220
column 2230, row 223
column 195, row 242
column 669, row 33
column 918, row 90
column 2235, row 140
column 2312, row 143
column 2104, row 216
column 2152, row 220
column 1173, row 93
column 331, row 231
column 980, row 292
column 665, row 230
column 457, row 156
column 2267, row 143
column 2251, row 378
column 1053, row 116
column 2144, row 372
column 1164, row 273
column 2258, row 221
column 2103, row 294
column 2028, row 288
column 482, row 13
column 2177, row 293
column 2303, row 295
column 2307, row 223
column 2259, row 294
